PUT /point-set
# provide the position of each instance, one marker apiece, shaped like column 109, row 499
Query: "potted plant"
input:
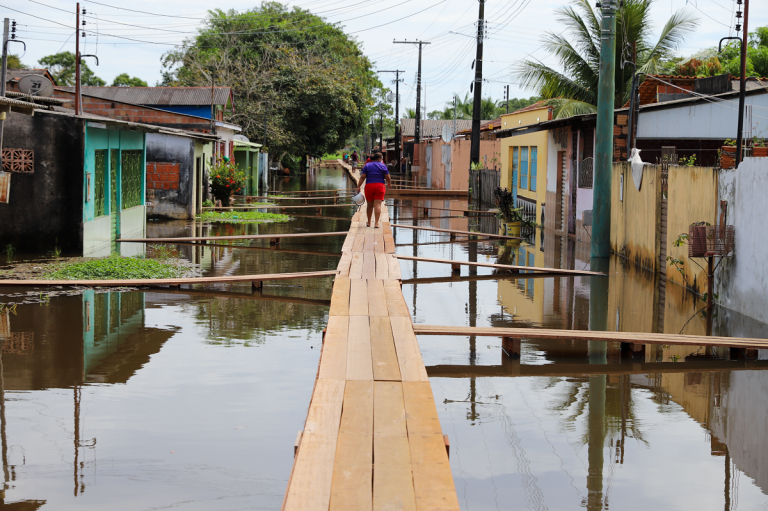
column 728, row 154
column 759, row 150
column 512, row 216
column 226, row 180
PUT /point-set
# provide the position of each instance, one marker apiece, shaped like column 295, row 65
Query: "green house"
column 247, row 159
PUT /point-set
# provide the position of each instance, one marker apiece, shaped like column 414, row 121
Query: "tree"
column 123, row 80
column 757, row 55
column 14, row 62
column 308, row 79
column 62, row 67
column 410, row 113
column 574, row 91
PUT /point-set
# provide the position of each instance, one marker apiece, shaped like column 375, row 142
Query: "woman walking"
column 376, row 174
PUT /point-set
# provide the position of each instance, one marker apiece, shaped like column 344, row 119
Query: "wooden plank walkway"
column 372, row 438
column 589, row 335
column 225, row 279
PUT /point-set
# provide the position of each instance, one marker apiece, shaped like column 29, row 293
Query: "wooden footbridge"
column 372, row 438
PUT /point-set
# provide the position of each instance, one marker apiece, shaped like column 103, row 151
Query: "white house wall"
column 715, row 120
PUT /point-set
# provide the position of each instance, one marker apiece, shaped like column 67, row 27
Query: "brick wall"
column 162, row 176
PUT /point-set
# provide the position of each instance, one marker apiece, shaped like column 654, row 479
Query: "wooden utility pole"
column 397, row 114
column 474, row 151
column 417, row 130
column 78, row 97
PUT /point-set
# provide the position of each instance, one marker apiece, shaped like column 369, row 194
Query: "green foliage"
column 410, row 113
column 14, row 62
column 505, row 201
column 687, row 162
column 62, row 67
column 116, row 267
column 9, row 251
column 56, row 252
column 574, row 90
column 226, row 180
column 697, row 68
column 307, row 77
column 244, row 217
column 123, row 80
column 208, row 203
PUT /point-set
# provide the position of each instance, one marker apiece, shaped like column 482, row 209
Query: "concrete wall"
column 177, row 199
column 692, row 198
column 45, row 208
column 635, row 215
column 742, row 281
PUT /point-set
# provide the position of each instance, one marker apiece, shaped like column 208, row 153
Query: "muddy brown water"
column 191, row 400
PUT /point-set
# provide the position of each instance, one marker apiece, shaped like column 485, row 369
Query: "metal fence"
column 585, row 173
column 482, row 183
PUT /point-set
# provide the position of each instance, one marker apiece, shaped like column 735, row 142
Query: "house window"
column 524, row 168
column 131, row 178
column 534, row 164
column 101, row 172
column 514, row 166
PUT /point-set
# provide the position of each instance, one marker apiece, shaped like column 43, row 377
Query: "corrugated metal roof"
column 432, row 127
column 166, row 96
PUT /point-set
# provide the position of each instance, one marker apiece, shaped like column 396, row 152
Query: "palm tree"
column 574, row 91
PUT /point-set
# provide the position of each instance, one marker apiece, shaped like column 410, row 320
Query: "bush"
column 116, row 267
column 226, row 180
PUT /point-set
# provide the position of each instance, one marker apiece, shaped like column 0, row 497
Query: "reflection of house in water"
column 71, row 341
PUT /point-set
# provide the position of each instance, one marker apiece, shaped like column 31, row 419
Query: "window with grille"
column 515, row 156
column 131, row 178
column 585, row 173
column 534, row 167
column 524, row 168
column 101, row 172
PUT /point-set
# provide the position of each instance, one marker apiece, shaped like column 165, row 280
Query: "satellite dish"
column 447, row 133
column 36, row 85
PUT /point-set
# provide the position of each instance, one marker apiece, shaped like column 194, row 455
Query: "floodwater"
column 191, row 399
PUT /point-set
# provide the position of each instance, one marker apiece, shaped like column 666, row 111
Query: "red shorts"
column 375, row 191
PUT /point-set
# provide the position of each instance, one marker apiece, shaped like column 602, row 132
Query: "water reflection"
column 577, row 424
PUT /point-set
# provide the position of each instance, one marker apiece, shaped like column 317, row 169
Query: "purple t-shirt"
column 375, row 172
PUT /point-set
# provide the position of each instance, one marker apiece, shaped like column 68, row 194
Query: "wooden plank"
column 352, row 486
column 432, row 478
column 370, row 239
column 310, row 486
column 224, row 238
column 175, row 282
column 378, row 243
column 409, row 357
column 394, row 268
column 333, row 361
column 356, row 268
column 340, row 297
column 358, row 298
column 392, row 476
column 590, row 335
column 359, row 242
column 377, row 299
column 395, row 301
column 468, row 233
column 344, row 264
column 382, row 267
column 383, row 353
column 553, row 271
column 369, row 265
column 359, row 365
column 389, row 244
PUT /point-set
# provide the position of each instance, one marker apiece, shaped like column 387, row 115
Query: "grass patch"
column 116, row 267
column 249, row 217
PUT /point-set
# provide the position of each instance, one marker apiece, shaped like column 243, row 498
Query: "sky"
column 514, row 30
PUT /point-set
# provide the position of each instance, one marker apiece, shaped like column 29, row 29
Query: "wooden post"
column 456, row 268
column 426, row 211
column 447, row 446
column 257, row 285
column 452, row 236
column 710, row 283
column 324, row 332
column 511, row 346
column 297, row 443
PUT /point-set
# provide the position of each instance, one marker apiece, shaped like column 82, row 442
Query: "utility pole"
column 454, row 115
column 507, row 97
column 417, row 130
column 474, row 152
column 601, row 216
column 743, row 85
column 78, row 96
column 397, row 114
column 3, row 71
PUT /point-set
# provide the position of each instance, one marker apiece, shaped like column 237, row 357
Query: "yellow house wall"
column 692, row 198
column 518, row 301
column 635, row 219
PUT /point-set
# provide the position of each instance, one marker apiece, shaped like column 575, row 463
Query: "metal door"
column 429, row 165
